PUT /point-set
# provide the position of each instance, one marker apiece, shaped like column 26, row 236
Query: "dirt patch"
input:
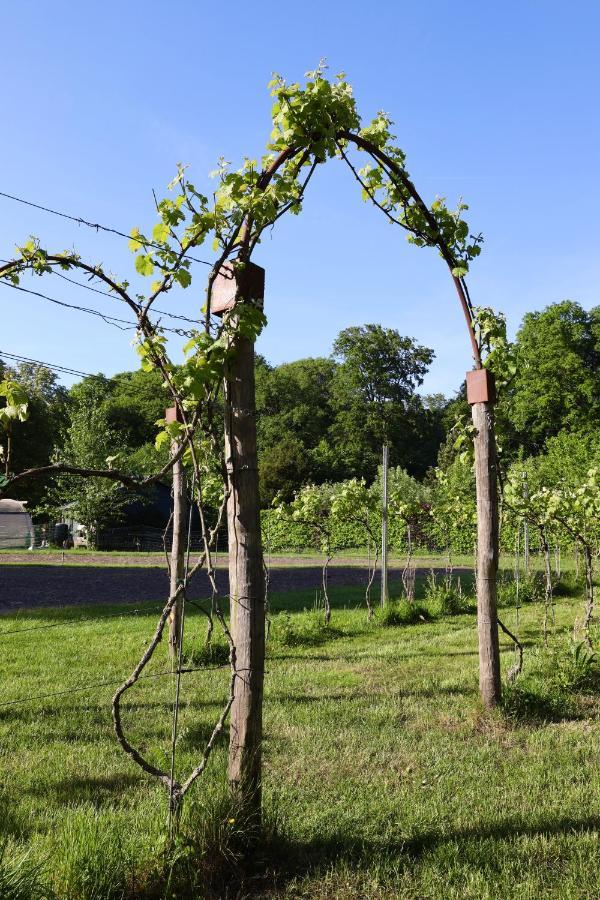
column 32, row 586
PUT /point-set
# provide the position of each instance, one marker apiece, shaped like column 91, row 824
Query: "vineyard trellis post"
column 526, row 527
column 246, row 570
column 178, row 540
column 481, row 396
column 384, row 526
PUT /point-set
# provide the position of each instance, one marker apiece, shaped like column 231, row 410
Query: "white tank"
column 16, row 527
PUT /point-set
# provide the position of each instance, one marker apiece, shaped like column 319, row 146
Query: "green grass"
column 383, row 776
column 78, row 557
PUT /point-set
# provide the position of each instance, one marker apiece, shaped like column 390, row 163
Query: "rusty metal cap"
column 247, row 282
column 481, row 387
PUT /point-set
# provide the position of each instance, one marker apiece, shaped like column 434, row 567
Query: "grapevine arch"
column 311, row 124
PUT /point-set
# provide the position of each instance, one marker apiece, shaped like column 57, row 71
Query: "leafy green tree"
column 374, row 396
column 557, row 379
column 14, row 409
column 294, row 413
column 35, row 439
column 283, row 468
column 353, row 501
column 135, row 402
column 91, row 444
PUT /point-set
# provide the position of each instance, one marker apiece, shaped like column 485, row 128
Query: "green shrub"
column 402, row 612
column 216, row 653
column 444, row 597
column 300, row 630
column 530, row 590
column 548, row 687
column 577, row 669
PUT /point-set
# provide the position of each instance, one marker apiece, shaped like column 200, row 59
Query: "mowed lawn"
column 382, row 775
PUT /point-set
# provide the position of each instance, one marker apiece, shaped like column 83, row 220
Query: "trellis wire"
column 96, row 226
column 96, row 684
column 69, row 622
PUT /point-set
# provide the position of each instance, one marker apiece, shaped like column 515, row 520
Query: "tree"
column 294, row 414
column 35, row 440
column 91, row 443
column 15, row 409
column 557, row 380
column 375, row 401
column 283, row 468
column 568, row 496
column 313, row 507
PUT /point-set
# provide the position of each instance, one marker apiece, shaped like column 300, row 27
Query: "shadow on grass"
column 524, row 706
column 97, row 790
column 280, row 860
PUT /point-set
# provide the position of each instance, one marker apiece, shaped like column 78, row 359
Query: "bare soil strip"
column 32, row 586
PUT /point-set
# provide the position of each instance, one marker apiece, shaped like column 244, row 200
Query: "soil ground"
column 53, row 584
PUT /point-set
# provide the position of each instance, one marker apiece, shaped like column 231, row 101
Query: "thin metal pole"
column 526, row 528
column 384, row 526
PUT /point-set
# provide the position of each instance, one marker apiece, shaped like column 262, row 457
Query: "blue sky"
column 497, row 103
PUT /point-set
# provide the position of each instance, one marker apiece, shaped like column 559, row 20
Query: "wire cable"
column 94, row 225
column 83, row 621
column 56, row 368
column 88, row 287
column 121, row 324
column 96, row 684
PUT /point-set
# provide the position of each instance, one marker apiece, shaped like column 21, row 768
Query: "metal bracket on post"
column 481, row 387
column 235, row 282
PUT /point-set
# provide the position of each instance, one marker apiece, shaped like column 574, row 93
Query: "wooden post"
column 178, row 542
column 384, row 526
column 526, row 528
column 481, row 396
column 246, row 571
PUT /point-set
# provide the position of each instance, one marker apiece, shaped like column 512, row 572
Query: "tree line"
column 322, row 419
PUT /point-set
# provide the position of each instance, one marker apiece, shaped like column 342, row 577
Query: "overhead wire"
column 56, row 368
column 121, row 324
column 95, row 225
column 88, row 287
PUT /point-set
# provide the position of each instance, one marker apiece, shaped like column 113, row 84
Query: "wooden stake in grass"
column 178, row 541
column 480, row 394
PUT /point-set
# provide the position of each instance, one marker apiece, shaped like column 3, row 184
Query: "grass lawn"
column 383, row 777
column 421, row 559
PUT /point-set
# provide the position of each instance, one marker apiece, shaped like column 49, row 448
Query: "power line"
column 47, row 365
column 94, row 225
column 110, row 320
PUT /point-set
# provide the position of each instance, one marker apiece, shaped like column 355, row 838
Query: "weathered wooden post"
column 246, row 573
column 481, row 396
column 526, row 527
column 384, row 525
column 177, row 542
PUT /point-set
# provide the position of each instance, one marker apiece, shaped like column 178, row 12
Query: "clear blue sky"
column 494, row 102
